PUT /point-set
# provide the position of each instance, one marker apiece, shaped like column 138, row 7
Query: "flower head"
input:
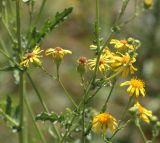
column 142, row 112
column 124, row 63
column 57, row 53
column 103, row 64
column 104, row 121
column 32, row 57
column 121, row 44
column 136, row 87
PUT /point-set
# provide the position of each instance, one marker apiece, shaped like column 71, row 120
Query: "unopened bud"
column 148, row 3
column 81, row 68
column 133, row 110
column 158, row 124
column 153, row 119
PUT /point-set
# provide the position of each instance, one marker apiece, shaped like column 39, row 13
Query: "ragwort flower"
column 102, row 122
column 121, row 44
column 124, row 63
column 57, row 53
column 32, row 57
column 142, row 112
column 136, row 87
column 103, row 64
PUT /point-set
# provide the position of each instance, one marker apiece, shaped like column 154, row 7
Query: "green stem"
column 8, row 30
column 21, row 122
column 40, row 11
column 104, row 108
column 93, row 95
column 37, row 92
column 32, row 116
column 8, row 118
column 97, row 33
column 21, row 92
column 67, row 94
column 83, row 111
column 141, row 132
column 122, row 117
column 18, row 26
column 124, row 5
column 41, row 101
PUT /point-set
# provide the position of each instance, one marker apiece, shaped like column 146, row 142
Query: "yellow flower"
column 32, row 57
column 57, row 53
column 104, row 62
column 124, row 63
column 107, row 52
column 143, row 113
column 136, row 87
column 102, row 122
column 121, row 44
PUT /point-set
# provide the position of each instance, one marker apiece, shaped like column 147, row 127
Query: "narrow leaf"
column 8, row 105
column 44, row 116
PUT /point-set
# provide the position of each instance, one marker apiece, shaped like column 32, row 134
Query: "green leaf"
column 49, row 25
column 44, row 116
column 7, row 68
column 8, row 105
column 16, row 112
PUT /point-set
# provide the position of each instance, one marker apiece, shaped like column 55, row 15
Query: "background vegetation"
column 76, row 34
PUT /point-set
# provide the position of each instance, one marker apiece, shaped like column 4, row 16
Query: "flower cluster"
column 34, row 56
column 121, row 60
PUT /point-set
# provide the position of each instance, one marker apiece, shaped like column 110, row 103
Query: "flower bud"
column 133, row 110
column 158, row 124
column 153, row 119
column 81, row 68
column 148, row 3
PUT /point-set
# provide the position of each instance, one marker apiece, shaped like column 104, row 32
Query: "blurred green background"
column 76, row 34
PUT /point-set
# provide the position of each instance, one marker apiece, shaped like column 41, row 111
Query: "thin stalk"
column 83, row 111
column 97, row 33
column 109, row 95
column 8, row 30
column 40, row 11
column 21, row 92
column 67, row 132
column 67, row 94
column 93, row 95
column 83, row 122
column 141, row 132
column 42, row 102
column 18, row 26
column 122, row 117
column 21, row 123
column 32, row 117
column 37, row 92
column 124, row 5
column 8, row 118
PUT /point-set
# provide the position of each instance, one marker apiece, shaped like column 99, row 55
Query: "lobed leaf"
column 48, row 26
column 44, row 116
